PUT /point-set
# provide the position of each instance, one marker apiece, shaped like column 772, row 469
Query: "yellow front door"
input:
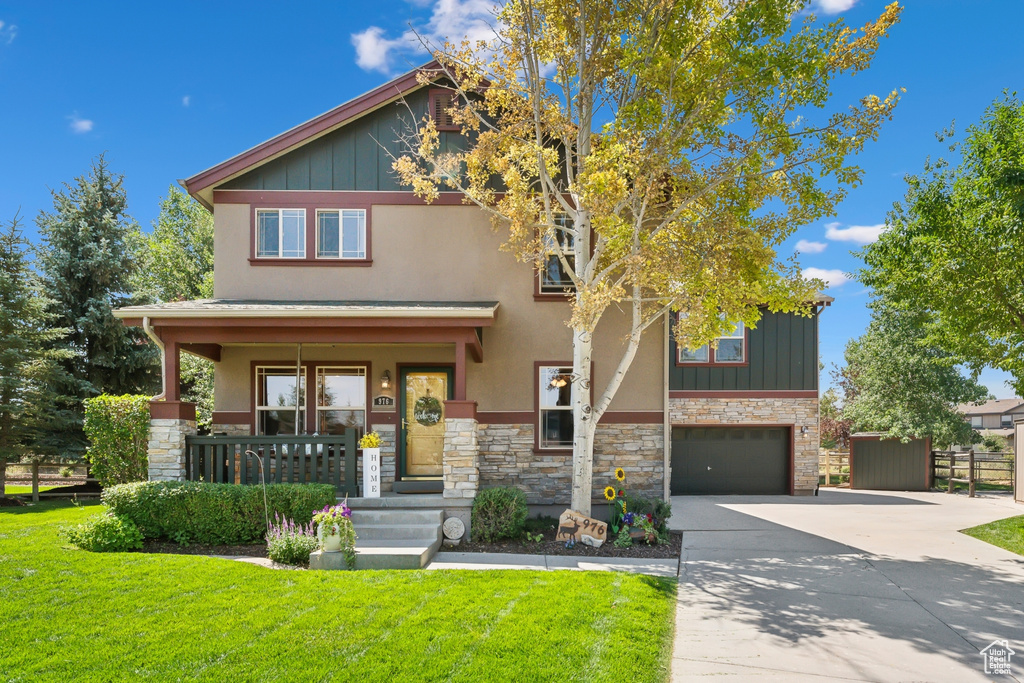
column 424, row 391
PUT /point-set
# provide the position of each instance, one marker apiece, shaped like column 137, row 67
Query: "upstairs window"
column 553, row 277
column 341, row 233
column 976, row 421
column 281, row 233
column 555, row 406
column 441, row 101
column 1006, row 421
column 732, row 348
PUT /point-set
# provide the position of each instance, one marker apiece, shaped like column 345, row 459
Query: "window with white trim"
column 276, row 409
column 281, row 233
column 554, row 279
column 555, row 406
column 732, row 348
column 341, row 233
column 340, row 399
column 977, row 421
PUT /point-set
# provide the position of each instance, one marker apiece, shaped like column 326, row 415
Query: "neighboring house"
column 408, row 319
column 994, row 417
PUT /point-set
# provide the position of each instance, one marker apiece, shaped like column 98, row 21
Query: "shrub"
column 499, row 513
column 203, row 512
column 104, row 534
column 118, row 431
column 290, row 543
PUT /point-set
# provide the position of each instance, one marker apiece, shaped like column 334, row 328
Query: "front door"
column 423, row 393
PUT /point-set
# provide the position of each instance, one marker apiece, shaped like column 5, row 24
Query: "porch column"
column 172, row 370
column 460, row 371
column 170, row 422
column 461, row 460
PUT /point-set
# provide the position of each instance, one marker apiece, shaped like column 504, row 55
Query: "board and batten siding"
column 782, row 353
column 356, row 157
column 889, row 464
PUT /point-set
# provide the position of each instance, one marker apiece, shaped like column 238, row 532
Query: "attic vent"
column 440, row 102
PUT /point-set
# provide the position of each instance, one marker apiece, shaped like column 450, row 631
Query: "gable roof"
column 998, row 406
column 201, row 184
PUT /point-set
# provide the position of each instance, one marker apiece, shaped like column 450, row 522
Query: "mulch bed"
column 169, row 547
column 9, row 502
column 549, row 546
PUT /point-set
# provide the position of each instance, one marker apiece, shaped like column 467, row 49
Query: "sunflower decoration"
column 620, row 474
column 609, row 493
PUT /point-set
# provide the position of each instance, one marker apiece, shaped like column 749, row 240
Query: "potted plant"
column 335, row 532
column 370, row 445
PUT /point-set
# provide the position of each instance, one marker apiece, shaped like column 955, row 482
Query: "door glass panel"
column 425, row 393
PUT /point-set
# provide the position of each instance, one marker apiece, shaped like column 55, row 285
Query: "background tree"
column 28, row 364
column 834, row 426
column 955, row 246
column 660, row 151
column 88, row 259
column 899, row 384
column 179, row 267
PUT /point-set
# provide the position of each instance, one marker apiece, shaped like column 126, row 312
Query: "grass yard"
column 72, row 615
column 943, row 483
column 17, row 490
column 1004, row 533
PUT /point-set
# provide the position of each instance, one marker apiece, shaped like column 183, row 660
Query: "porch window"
column 341, row 233
column 340, row 399
column 275, row 400
column 281, row 233
column 554, row 279
column 555, row 402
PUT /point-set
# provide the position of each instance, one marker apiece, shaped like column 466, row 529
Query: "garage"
column 879, row 464
column 730, row 460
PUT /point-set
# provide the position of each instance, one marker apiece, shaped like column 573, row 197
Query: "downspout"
column 151, row 333
column 298, row 387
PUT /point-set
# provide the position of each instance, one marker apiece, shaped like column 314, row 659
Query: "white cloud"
column 833, row 6
column 452, row 20
column 833, row 277
column 808, row 247
column 8, row 32
column 80, row 125
column 186, row 100
column 861, row 234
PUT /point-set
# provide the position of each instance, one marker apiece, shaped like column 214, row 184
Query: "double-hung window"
column 341, row 233
column 977, row 421
column 731, row 349
column 340, row 399
column 276, row 409
column 281, row 233
column 555, row 404
column 559, row 243
column 1006, row 421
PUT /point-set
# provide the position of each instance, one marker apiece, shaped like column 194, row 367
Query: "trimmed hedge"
column 498, row 513
column 216, row 514
column 118, row 431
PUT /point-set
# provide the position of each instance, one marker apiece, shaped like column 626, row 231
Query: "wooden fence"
column 972, row 468
column 834, row 468
column 281, row 459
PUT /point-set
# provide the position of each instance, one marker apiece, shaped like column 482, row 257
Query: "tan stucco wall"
column 435, row 253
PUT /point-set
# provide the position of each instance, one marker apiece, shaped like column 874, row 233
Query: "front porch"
column 297, row 383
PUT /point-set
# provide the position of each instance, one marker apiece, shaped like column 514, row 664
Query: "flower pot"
column 331, row 542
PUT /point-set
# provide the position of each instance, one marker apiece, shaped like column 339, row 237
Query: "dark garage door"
column 730, row 460
column 889, row 465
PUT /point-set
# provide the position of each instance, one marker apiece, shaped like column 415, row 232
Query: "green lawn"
column 68, row 614
column 11, row 490
column 943, row 483
column 1005, row 533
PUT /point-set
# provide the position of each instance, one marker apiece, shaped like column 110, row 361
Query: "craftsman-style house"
column 343, row 301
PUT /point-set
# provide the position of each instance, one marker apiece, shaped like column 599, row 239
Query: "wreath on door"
column 427, row 411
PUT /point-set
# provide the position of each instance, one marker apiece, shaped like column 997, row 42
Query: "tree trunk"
column 3, row 477
column 583, row 423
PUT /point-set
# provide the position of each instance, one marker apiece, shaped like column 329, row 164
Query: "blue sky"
column 169, row 90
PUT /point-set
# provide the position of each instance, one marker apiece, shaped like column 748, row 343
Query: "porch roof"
column 479, row 312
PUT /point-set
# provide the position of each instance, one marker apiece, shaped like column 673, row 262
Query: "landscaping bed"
column 549, row 546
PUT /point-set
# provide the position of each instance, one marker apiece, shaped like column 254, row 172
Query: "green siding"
column 354, row 157
column 889, row 465
column 782, row 352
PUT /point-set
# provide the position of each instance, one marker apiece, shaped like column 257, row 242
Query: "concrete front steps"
column 388, row 538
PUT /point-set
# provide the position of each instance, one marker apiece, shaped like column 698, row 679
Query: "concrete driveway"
column 848, row 585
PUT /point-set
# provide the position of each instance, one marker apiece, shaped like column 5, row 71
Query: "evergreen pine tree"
column 28, row 361
column 88, row 260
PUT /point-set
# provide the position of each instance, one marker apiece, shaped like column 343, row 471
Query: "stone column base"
column 461, row 465
column 169, row 424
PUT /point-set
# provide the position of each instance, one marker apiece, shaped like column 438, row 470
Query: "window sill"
column 553, row 297
column 712, row 365
column 537, row 450
column 352, row 263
